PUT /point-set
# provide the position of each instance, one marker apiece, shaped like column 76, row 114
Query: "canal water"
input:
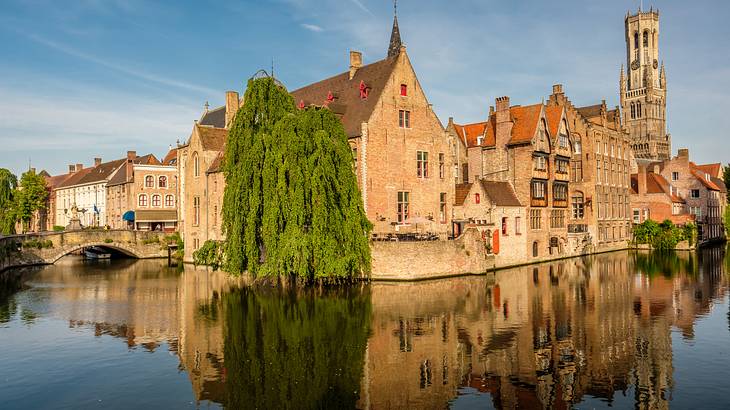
column 621, row 330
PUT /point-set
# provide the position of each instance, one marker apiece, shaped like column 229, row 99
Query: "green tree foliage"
column 210, row 254
column 265, row 103
column 8, row 184
column 664, row 236
column 292, row 205
column 726, row 178
column 295, row 349
column 29, row 197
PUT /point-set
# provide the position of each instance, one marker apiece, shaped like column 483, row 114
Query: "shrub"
column 38, row 244
column 210, row 254
column 57, row 228
column 665, row 235
column 148, row 241
column 108, row 240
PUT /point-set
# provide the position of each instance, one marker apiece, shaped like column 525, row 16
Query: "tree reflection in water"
column 289, row 349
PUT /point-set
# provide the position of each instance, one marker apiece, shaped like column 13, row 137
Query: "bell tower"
column 643, row 86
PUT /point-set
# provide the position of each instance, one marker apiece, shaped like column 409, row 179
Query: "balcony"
column 560, row 203
column 538, row 202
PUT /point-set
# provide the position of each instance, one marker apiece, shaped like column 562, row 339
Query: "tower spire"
column 395, row 41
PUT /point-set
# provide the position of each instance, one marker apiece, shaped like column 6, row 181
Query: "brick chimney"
column 97, row 162
column 641, row 180
column 557, row 89
column 232, row 103
column 131, row 156
column 79, row 167
column 504, row 121
column 355, row 62
column 71, row 168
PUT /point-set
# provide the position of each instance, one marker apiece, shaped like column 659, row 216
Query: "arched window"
column 142, row 200
column 162, row 182
column 534, row 249
column 196, row 165
column 636, row 39
column 169, row 201
column 633, row 111
column 638, row 110
column 149, row 181
column 156, row 200
column 646, row 39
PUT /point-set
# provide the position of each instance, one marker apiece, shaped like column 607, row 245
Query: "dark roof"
column 215, row 166
column 395, row 41
column 212, row 139
column 171, row 157
column 590, row 111
column 720, row 184
column 155, row 215
column 500, row 193
column 462, row 190
column 347, row 102
column 56, row 180
column 215, row 117
column 106, row 170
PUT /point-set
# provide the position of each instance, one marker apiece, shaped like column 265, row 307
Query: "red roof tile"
column 525, row 123
column 553, row 115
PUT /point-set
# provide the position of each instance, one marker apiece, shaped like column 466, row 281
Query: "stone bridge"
column 47, row 248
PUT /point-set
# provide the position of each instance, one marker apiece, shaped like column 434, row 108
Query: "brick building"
column 600, row 169
column 403, row 156
column 143, row 195
column 516, row 145
column 493, row 208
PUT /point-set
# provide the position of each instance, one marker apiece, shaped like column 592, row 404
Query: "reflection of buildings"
column 542, row 336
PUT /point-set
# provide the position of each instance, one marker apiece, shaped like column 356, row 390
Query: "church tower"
column 643, row 86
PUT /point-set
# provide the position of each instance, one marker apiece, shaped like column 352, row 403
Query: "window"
column 169, row 201
column 696, row 211
column 215, row 215
column 403, row 206
column 162, row 182
column 504, row 225
column 538, row 189
column 576, row 171
column 149, row 181
column 196, row 165
column 156, row 200
column 646, row 39
column 518, row 227
column 557, row 218
column 196, row 210
column 142, row 200
column 535, row 219
column 540, row 163
column 636, row 39
column 477, row 198
column 422, row 164
column 563, row 141
column 561, row 165
column 577, row 205
column 534, row 249
column 560, row 191
column 403, row 90
column 695, row 193
column 442, row 165
column 577, row 147
column 404, row 119
column 442, row 207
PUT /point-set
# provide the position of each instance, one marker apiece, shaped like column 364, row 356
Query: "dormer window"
column 403, row 90
column 480, row 139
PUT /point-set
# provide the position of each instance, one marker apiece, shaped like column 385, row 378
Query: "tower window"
column 646, row 39
column 636, row 40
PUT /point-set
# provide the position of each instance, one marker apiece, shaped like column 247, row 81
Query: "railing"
column 560, row 203
column 538, row 202
column 636, row 93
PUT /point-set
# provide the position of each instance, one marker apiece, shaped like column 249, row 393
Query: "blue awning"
column 128, row 216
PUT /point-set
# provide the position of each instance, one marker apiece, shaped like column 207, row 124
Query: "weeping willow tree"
column 292, row 205
column 8, row 184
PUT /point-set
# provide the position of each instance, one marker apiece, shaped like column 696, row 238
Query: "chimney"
column 355, row 62
column 79, row 167
column 683, row 153
column 131, row 155
column 641, row 180
column 232, row 104
column 557, row 89
column 71, row 168
column 503, row 134
column 657, row 169
column 491, row 111
column 32, row 170
column 97, row 162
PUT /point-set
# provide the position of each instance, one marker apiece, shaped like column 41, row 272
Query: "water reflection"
column 597, row 331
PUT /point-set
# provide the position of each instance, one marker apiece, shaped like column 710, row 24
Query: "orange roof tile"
column 553, row 115
column 525, row 123
column 470, row 133
column 706, row 182
column 713, row 169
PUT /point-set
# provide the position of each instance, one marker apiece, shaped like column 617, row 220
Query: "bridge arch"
column 126, row 250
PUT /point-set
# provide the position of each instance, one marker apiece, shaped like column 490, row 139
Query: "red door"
column 495, row 242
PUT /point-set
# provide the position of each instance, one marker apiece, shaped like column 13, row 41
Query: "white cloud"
column 312, row 27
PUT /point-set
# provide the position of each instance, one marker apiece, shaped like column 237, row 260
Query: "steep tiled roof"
column 216, row 165
column 470, row 133
column 212, row 139
column 346, row 92
column 590, row 111
column 462, row 190
column 170, row 158
column 719, row 183
column 215, row 117
column 700, row 176
column 553, row 115
column 712, row 169
column 57, row 180
column 525, row 123
column 655, row 184
column 500, row 193
column 105, row 170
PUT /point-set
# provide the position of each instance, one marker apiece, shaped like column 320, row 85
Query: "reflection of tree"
column 294, row 350
column 665, row 263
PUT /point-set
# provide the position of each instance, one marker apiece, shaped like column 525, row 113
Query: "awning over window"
column 128, row 216
column 156, row 215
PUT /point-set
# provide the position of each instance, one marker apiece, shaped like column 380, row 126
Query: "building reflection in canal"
column 550, row 335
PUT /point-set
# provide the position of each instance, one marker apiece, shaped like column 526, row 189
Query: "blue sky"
column 87, row 78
